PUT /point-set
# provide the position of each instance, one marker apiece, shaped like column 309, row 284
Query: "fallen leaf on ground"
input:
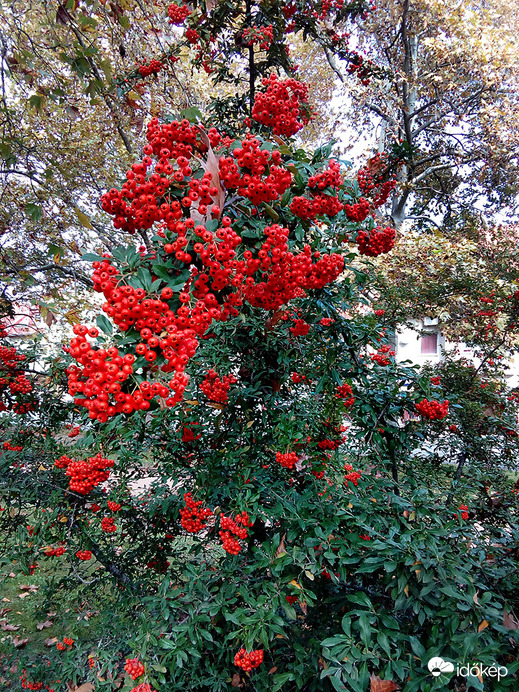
column 42, row 625
column 12, row 575
column 9, row 628
column 29, row 587
column 18, row 643
column 51, row 641
column 4, row 611
column 24, row 594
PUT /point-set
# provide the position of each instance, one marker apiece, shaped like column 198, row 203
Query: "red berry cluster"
column 87, row 474
column 297, row 378
column 300, row 328
column 9, row 357
column 359, row 211
column 352, row 476
column 464, row 513
column 261, row 35
column 135, row 205
column 380, row 313
column 256, row 173
column 230, row 528
column 20, row 384
column 74, row 432
column 113, row 506
column 178, row 14
column 134, row 668
column 379, row 240
column 436, row 380
column 13, row 382
column 216, row 388
column 193, row 515
column 63, row 462
column 67, row 641
column 12, row 448
column 143, row 687
column 107, row 525
column 332, row 442
column 55, row 552
column 28, row 685
column 291, row 599
column 154, row 67
column 345, row 393
column 319, row 205
column 84, row 555
column 372, row 180
column 192, row 36
column 288, row 460
column 383, row 355
column 105, row 371
column 433, row 410
column 248, row 661
column 326, row 321
column 360, row 67
column 287, row 273
column 283, row 106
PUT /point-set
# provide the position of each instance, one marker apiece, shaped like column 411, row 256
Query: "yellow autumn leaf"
column 83, row 219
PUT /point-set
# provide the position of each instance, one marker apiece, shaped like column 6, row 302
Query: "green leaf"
column 365, row 629
column 104, row 325
column 33, row 211
column 36, row 102
column 192, row 114
column 91, row 257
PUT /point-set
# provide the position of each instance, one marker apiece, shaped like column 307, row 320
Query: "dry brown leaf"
column 12, row 575
column 379, row 685
column 18, row 643
column 4, row 611
column 483, row 625
column 273, row 670
column 85, row 687
column 7, row 627
column 30, row 587
column 51, row 641
column 6, row 600
column 236, row 681
column 42, row 625
column 24, row 594
column 509, row 621
column 303, row 606
column 281, row 547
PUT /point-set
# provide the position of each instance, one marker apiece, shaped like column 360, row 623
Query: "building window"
column 429, row 344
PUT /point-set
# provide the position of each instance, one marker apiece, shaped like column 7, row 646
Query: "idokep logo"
column 438, row 666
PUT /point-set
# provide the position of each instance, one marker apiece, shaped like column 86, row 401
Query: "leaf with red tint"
column 378, row 685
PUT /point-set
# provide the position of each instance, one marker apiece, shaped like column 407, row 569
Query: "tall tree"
column 447, row 107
